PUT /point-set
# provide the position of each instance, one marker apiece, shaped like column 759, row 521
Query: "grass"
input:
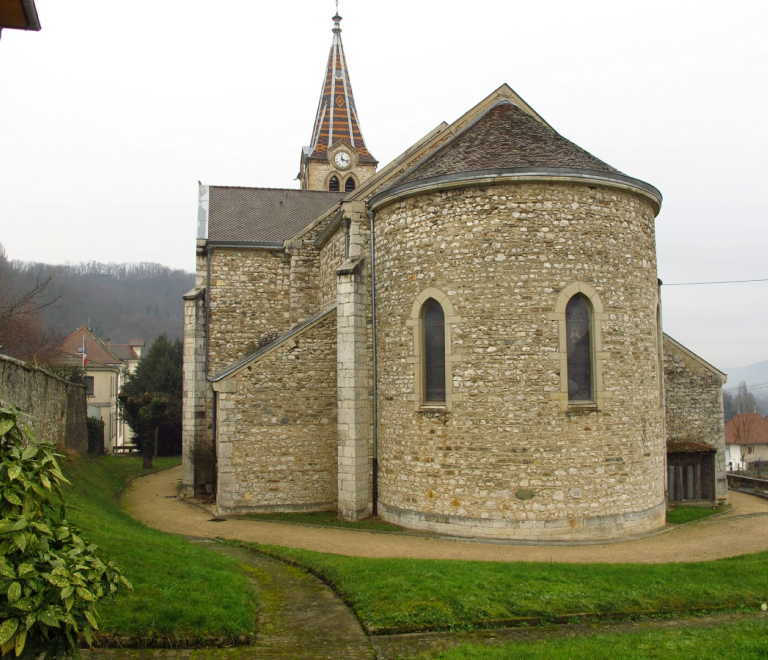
column 739, row 641
column 325, row 518
column 685, row 514
column 183, row 594
column 402, row 595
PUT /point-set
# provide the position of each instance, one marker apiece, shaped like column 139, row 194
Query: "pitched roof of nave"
column 505, row 136
column 264, row 214
column 336, row 117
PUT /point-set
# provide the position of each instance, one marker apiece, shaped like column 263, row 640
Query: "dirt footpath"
column 743, row 530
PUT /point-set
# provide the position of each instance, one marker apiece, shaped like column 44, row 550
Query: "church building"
column 465, row 341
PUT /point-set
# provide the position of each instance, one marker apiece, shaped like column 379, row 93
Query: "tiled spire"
column 336, row 113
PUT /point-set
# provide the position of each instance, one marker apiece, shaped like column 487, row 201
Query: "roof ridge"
column 297, row 190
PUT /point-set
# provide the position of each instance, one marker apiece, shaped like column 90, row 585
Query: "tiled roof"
column 264, row 214
column 123, row 351
column 746, row 429
column 505, row 136
column 95, row 349
column 336, row 117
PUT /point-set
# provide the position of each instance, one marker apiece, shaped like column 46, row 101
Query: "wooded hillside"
column 122, row 301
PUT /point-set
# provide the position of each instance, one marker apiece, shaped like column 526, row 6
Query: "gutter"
column 264, row 245
column 209, row 251
column 501, row 175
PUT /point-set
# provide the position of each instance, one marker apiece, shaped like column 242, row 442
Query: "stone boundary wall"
column 56, row 408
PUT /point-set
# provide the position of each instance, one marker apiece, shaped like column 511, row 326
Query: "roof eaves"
column 498, row 175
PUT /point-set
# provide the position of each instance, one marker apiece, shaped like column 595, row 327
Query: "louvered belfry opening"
column 349, row 184
column 333, row 184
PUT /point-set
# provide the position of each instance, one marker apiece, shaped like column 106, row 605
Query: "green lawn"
column 400, row 595
column 183, row 594
column 686, row 514
column 325, row 518
column 741, row 641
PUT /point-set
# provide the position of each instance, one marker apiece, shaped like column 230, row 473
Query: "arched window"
column 434, row 352
column 333, row 184
column 578, row 328
column 349, row 184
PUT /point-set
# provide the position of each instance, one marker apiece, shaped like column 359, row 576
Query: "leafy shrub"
column 50, row 577
column 95, row 435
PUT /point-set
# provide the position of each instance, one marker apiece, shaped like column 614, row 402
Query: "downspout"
column 375, row 365
column 215, row 466
column 209, row 250
column 215, row 452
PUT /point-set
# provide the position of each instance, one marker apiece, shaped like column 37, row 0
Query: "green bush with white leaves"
column 50, row 577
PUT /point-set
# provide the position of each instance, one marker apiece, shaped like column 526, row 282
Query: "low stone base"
column 225, row 509
column 598, row 528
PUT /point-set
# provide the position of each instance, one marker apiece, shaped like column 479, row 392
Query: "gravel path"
column 743, row 530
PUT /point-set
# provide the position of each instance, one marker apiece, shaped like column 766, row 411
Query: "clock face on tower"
column 342, row 160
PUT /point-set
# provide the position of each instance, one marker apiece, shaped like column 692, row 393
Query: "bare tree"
column 744, row 401
column 21, row 330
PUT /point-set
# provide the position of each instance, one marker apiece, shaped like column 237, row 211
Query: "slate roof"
column 746, row 429
column 336, row 117
column 505, row 136
column 264, row 214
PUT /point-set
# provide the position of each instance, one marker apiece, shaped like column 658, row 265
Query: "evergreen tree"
column 152, row 395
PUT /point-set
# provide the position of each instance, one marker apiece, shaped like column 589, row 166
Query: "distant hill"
column 122, row 301
column 752, row 374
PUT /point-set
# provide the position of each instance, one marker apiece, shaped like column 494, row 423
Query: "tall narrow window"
column 434, row 352
column 578, row 330
column 349, row 184
column 333, row 184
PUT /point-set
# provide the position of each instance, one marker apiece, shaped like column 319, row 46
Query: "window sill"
column 577, row 406
column 433, row 407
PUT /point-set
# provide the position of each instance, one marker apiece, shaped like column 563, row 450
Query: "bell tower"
column 337, row 158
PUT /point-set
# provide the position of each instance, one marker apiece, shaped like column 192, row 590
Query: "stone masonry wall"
column 319, row 173
column 56, row 408
column 331, row 257
column 694, row 406
column 277, row 434
column 507, row 461
column 250, row 296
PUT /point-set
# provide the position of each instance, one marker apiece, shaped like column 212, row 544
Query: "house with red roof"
column 106, row 366
column 746, row 440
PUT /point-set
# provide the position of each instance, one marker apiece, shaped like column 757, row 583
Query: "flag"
column 85, row 357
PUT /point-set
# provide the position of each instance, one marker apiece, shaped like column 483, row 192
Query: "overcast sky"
column 111, row 114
